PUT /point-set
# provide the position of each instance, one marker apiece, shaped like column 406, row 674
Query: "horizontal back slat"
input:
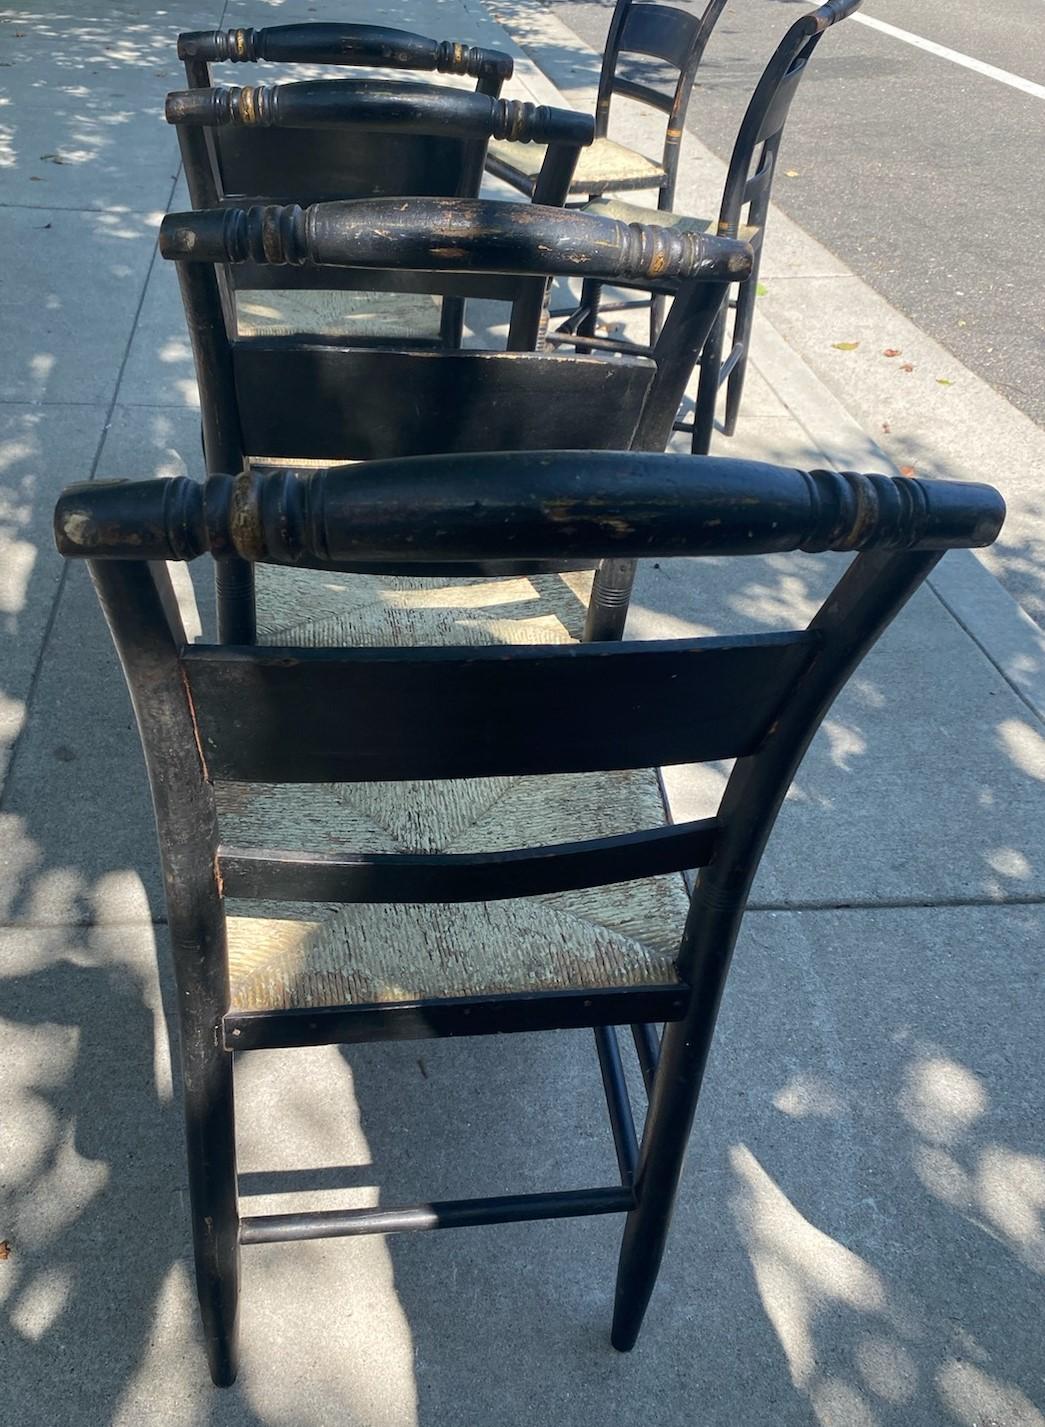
column 309, row 401
column 315, row 165
column 334, row 715
column 775, row 116
column 659, row 32
column 462, row 877
column 493, row 287
column 632, row 89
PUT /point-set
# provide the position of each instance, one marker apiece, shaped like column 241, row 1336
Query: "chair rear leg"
column 707, row 387
column 451, row 323
column 745, row 317
column 234, row 588
column 610, row 597
column 676, row 1087
column 210, row 1137
column 656, row 318
column 591, row 295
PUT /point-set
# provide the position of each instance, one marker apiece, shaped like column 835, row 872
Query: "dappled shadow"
column 892, row 1290
column 860, row 1236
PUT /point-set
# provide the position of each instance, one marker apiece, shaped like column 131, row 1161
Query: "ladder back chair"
column 637, row 30
column 354, row 138
column 477, row 934
column 744, row 210
column 369, row 46
column 268, row 399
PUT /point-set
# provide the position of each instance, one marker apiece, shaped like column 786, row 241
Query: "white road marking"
column 1014, row 81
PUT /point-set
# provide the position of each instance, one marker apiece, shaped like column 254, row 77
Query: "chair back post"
column 665, row 33
column 767, row 111
column 200, row 164
column 208, row 304
column 550, row 191
column 141, row 610
column 689, row 321
column 610, row 56
column 680, row 103
column 870, row 594
column 212, row 354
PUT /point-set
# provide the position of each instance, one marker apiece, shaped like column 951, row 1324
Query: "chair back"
column 299, row 397
column 678, row 39
column 350, row 715
column 338, row 139
column 752, row 165
column 374, row 46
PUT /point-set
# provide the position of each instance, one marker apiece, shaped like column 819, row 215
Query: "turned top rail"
column 444, row 234
column 322, row 43
column 521, row 504
column 398, row 106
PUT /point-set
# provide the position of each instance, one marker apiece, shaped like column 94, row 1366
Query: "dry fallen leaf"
column 906, row 367
column 944, row 381
column 886, row 426
column 5, row 1249
column 892, row 352
column 907, row 470
column 845, row 346
column 791, row 173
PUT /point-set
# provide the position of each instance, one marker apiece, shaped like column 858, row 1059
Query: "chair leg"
column 745, row 316
column 591, row 292
column 676, row 1087
column 210, row 1134
column 451, row 323
column 234, row 588
column 656, row 318
column 610, row 597
column 707, row 388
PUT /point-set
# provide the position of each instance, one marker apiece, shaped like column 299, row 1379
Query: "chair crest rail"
column 521, row 504
column 377, row 104
column 345, row 44
column 441, row 234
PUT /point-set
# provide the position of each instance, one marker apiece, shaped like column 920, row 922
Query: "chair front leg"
column 742, row 324
column 591, row 294
column 234, row 589
column 610, row 598
column 707, row 387
column 210, row 1139
column 656, row 317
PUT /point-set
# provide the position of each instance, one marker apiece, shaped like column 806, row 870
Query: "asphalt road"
column 923, row 176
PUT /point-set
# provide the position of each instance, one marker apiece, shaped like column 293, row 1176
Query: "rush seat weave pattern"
column 304, row 955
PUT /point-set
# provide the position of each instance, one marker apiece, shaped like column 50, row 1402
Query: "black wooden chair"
column 646, row 31
column 269, row 399
column 228, row 732
column 357, row 46
column 355, row 138
column 748, row 186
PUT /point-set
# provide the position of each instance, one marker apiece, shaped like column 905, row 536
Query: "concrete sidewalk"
column 860, row 1237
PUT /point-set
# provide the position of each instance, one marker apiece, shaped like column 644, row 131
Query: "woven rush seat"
column 624, row 212
column 283, row 312
column 308, row 955
column 605, row 164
